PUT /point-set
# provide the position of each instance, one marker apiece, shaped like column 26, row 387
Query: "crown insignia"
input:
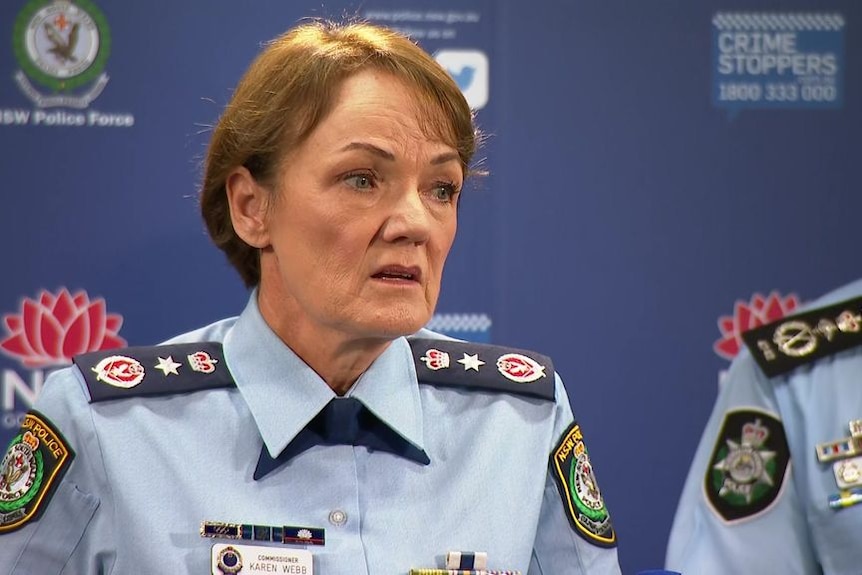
column 30, row 440
column 754, row 434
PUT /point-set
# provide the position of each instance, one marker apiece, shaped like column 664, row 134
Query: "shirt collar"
column 283, row 393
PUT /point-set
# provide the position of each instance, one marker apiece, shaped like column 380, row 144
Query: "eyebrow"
column 386, row 155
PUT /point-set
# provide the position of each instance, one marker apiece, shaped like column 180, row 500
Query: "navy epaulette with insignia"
column 154, row 370
column 795, row 340
column 465, row 364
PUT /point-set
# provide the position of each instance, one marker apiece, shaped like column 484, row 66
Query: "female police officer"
column 310, row 433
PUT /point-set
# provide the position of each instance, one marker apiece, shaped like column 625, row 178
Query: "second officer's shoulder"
column 447, row 362
column 826, row 327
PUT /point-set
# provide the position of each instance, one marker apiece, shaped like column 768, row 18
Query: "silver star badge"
column 471, row 362
column 168, row 366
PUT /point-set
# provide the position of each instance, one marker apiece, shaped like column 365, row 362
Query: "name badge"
column 256, row 559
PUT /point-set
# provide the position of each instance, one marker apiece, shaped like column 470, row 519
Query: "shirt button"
column 338, row 517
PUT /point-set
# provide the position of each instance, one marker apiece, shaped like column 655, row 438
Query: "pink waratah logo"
column 759, row 311
column 56, row 327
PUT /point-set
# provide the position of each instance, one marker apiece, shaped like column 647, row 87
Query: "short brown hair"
column 287, row 91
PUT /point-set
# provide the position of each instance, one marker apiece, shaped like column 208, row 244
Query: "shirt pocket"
column 58, row 532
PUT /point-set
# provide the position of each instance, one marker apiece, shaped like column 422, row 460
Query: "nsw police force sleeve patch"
column 576, row 481
column 748, row 465
column 33, row 465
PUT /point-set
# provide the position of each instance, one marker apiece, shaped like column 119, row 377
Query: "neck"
column 337, row 357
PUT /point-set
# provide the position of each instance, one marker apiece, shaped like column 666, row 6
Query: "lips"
column 398, row 273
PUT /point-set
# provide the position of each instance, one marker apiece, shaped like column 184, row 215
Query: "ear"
column 248, row 201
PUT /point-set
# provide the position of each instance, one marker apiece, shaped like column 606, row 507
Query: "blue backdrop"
column 663, row 175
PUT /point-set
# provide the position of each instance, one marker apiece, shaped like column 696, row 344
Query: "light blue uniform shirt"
column 149, row 470
column 798, row 533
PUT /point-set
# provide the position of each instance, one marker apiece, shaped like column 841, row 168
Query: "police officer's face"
column 364, row 217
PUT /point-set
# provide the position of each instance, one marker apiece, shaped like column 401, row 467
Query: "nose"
column 408, row 220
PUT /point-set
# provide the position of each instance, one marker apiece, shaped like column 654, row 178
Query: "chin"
column 396, row 322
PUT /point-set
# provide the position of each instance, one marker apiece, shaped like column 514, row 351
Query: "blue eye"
column 444, row 192
column 361, row 181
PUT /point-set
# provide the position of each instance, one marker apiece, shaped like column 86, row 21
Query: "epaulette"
column 155, row 370
column 474, row 365
column 795, row 340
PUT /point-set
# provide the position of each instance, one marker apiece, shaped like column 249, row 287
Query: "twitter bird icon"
column 469, row 69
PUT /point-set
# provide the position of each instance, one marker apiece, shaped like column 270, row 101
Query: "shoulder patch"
column 573, row 473
column 34, row 464
column 156, row 370
column 748, row 466
column 784, row 345
column 476, row 365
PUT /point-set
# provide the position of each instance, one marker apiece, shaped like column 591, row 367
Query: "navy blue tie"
column 344, row 421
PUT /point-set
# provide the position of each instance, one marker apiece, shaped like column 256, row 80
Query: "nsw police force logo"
column 576, row 481
column 62, row 47
column 35, row 460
